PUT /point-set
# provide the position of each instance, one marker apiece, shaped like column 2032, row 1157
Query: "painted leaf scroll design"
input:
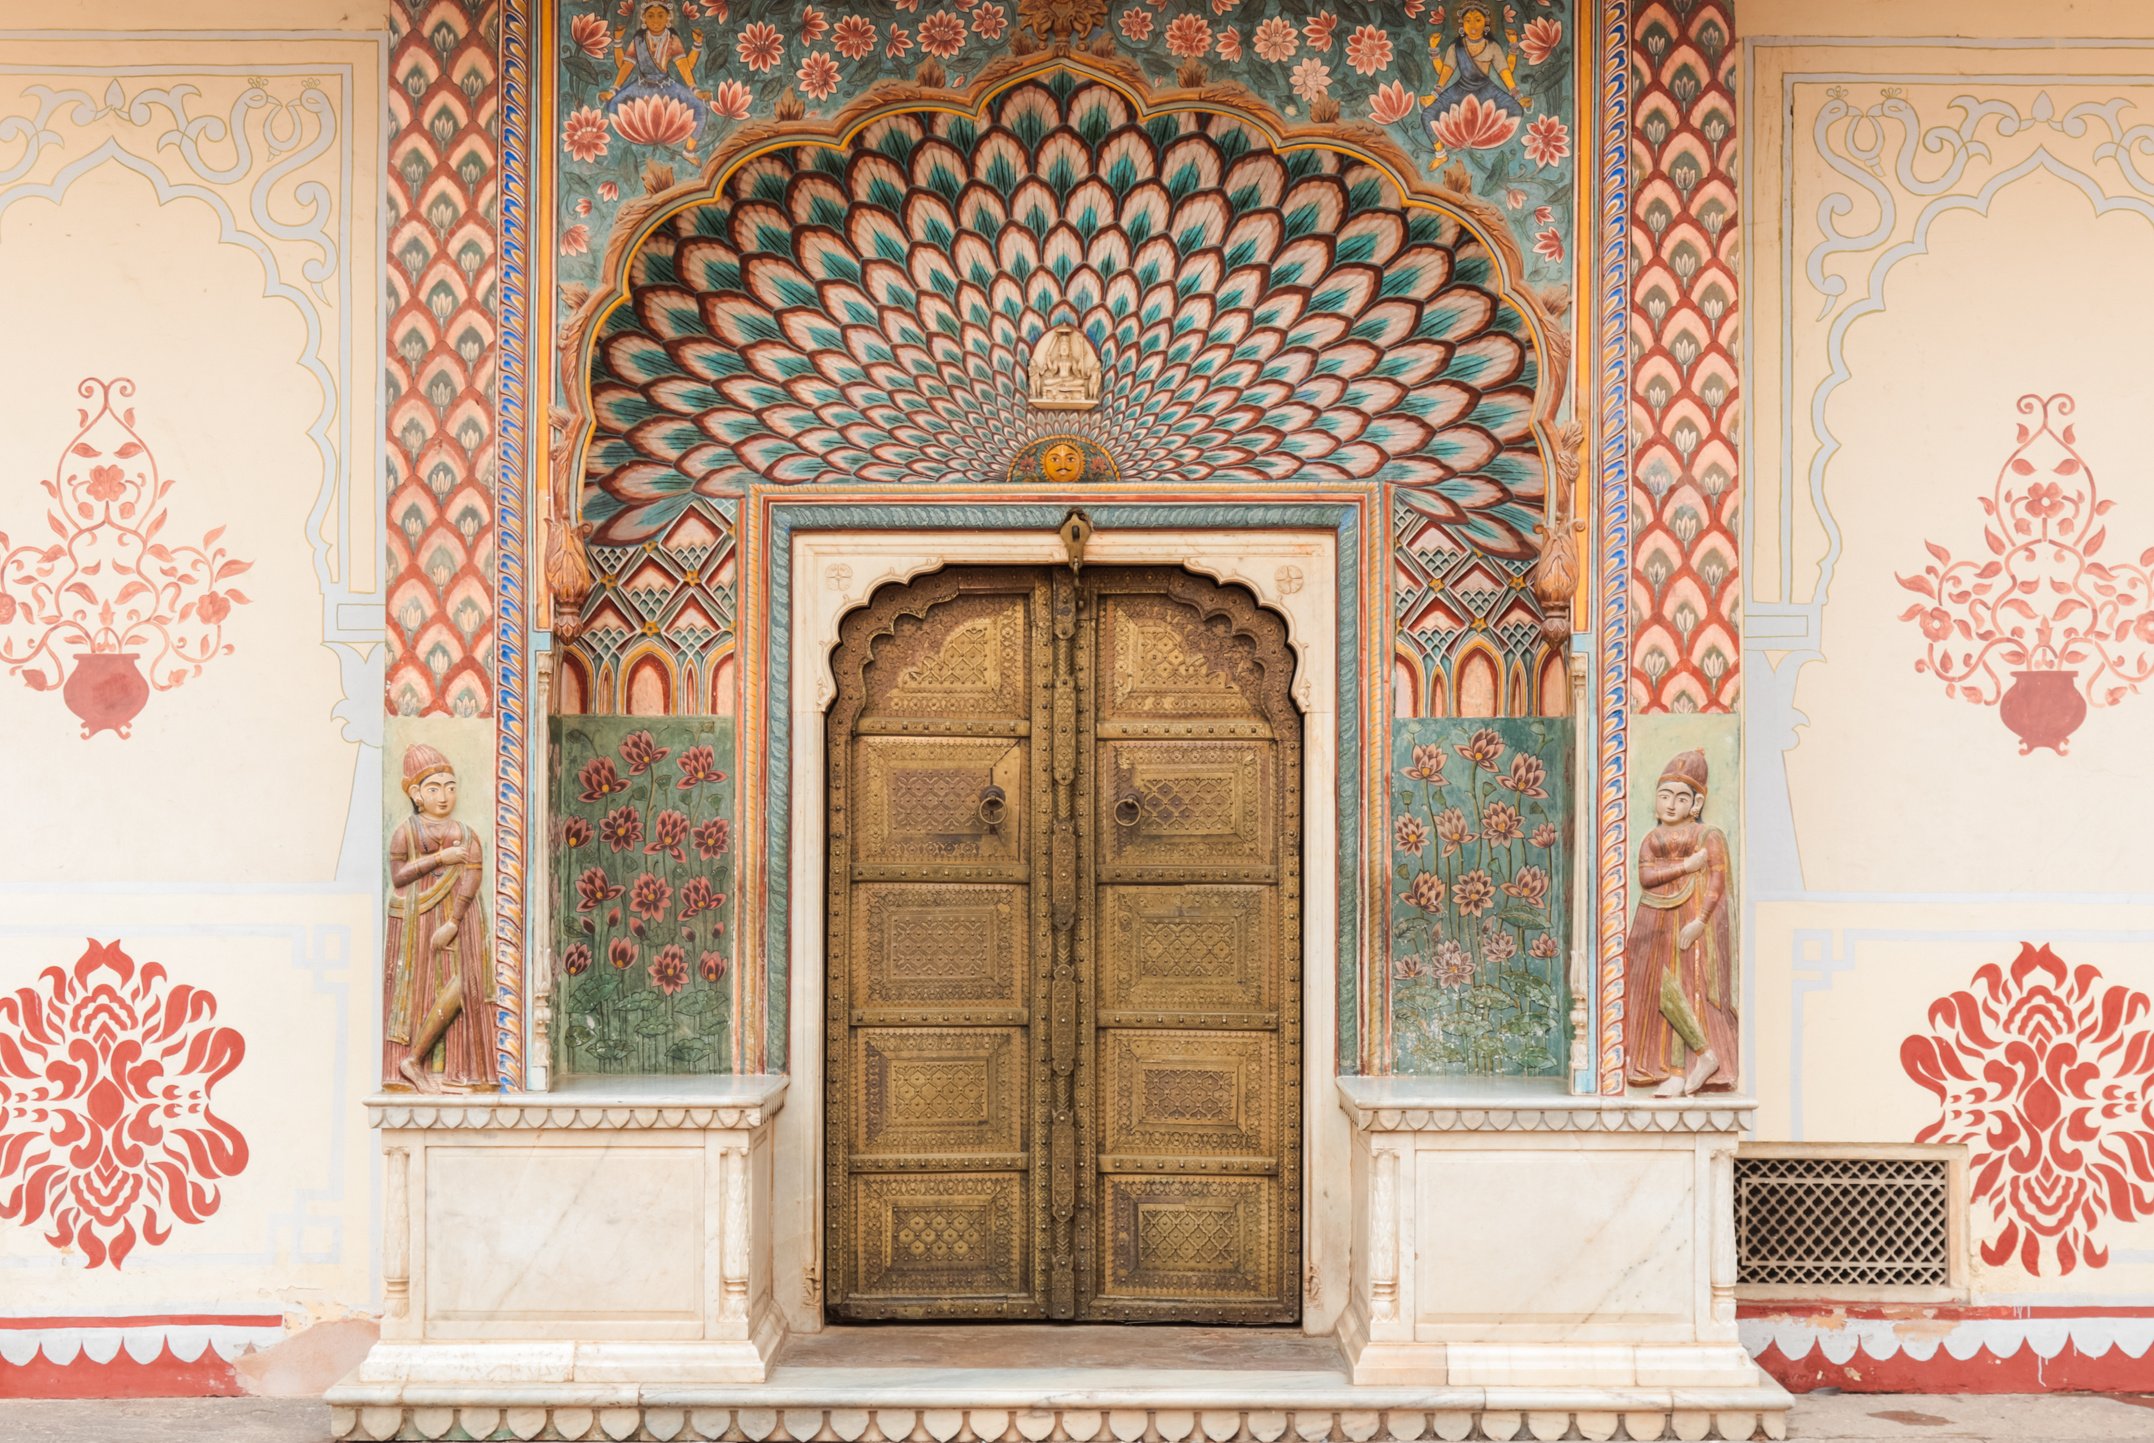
column 2039, row 623
column 108, row 608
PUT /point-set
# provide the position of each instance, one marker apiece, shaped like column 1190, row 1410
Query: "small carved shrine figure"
column 1679, row 975
column 1065, row 372
column 436, row 1026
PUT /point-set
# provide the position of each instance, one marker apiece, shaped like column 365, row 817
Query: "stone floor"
column 2055, row 1419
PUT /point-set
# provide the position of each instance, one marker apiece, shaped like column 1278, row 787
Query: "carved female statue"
column 1679, row 975
column 436, row 1027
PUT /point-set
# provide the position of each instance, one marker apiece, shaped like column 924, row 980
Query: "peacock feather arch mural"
column 1269, row 310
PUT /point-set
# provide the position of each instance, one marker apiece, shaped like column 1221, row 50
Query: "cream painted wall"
column 1900, row 296
column 201, row 212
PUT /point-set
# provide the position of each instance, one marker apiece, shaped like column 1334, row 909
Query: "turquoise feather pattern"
column 867, row 315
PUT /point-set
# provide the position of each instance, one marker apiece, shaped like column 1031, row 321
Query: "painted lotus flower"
column 942, row 34
column 1425, row 891
column 1540, row 38
column 622, row 828
column 1544, row 947
column 583, row 134
column 594, row 889
column 2045, row 1074
column 1409, row 833
column 713, row 838
column 1427, row 764
column 1474, row 894
column 576, row 960
column 1188, row 35
column 812, row 25
column 1484, row 749
column 759, row 46
column 1312, row 79
column 711, row 966
column 1320, row 29
column 854, row 37
column 669, row 829
column 622, row 952
column 1547, row 141
column 1500, row 823
column 575, row 240
column 818, row 76
column 1544, row 835
column 1475, row 124
column 1497, row 945
column 1454, row 964
column 900, row 42
column 1276, row 39
column 1529, row 886
column 654, row 120
column 1456, row 831
column 732, row 100
column 642, row 752
column 1229, row 43
column 650, row 896
column 1391, row 104
column 698, row 766
column 1368, row 50
column 669, row 969
column 592, row 35
column 1137, row 24
column 1528, row 778
column 699, row 896
column 989, row 21
column 1548, row 244
column 575, row 831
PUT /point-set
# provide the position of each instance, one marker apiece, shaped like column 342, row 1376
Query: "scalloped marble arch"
column 1545, row 344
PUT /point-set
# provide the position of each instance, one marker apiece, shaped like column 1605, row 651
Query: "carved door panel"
column 1196, row 1038
column 934, row 1190
column 1063, row 1050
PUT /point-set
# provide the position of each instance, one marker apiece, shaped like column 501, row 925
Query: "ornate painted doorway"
column 1064, row 931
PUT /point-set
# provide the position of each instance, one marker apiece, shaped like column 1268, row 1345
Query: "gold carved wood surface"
column 1064, row 1021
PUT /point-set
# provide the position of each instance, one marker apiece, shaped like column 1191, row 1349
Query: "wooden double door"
column 1063, row 1042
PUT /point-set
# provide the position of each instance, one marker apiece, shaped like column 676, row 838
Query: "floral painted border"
column 1480, row 912
column 643, row 894
column 621, row 133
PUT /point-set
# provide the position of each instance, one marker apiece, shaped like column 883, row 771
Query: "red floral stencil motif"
column 2048, row 1076
column 106, row 1133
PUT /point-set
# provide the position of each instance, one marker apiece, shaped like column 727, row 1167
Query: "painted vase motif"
column 2043, row 708
column 107, row 690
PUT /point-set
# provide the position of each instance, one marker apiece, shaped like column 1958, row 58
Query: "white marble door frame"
column 1294, row 573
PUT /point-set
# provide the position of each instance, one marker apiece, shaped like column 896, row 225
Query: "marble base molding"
column 1457, row 1416
column 593, row 1236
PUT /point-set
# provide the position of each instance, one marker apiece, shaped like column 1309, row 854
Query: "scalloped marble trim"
column 1548, row 1119
column 508, row 1114
column 1047, row 1425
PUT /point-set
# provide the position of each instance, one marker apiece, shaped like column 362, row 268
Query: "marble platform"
column 596, row 1263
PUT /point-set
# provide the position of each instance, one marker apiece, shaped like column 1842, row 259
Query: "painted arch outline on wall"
column 857, row 303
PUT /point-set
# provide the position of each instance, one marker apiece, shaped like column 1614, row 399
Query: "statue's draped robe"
column 423, row 899
column 1670, row 899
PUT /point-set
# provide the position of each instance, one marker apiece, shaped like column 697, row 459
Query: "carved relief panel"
column 1063, row 1034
